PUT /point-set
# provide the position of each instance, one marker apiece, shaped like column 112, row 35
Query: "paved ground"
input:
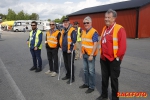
column 16, row 81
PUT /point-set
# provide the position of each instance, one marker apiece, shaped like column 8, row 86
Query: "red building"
column 133, row 15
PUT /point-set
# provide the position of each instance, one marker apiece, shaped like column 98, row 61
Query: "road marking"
column 11, row 82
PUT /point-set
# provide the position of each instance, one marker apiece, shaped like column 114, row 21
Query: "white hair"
column 87, row 18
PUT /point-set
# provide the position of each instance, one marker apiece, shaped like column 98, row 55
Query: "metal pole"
column 71, row 66
column 59, row 66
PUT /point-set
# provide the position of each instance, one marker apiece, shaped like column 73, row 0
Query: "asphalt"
column 18, row 83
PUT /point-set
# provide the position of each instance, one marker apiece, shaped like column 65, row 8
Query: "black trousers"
column 67, row 62
column 110, row 69
column 52, row 55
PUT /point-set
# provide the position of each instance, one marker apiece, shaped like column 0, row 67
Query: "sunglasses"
column 33, row 25
column 51, row 24
column 86, row 23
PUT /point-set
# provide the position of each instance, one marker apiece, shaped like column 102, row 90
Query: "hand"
column 27, row 42
column 45, row 41
column 60, row 49
column 90, row 58
column 81, row 55
column 35, row 48
column 68, row 51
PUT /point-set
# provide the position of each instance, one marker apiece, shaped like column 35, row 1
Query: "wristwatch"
column 117, row 58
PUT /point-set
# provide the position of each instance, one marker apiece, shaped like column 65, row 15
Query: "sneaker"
column 65, row 78
column 33, row 68
column 38, row 70
column 101, row 98
column 48, row 72
column 89, row 90
column 83, row 86
column 53, row 74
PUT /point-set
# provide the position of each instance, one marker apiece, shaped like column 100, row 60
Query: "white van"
column 46, row 25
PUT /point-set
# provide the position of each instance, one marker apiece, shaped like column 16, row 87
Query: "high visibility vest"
column 87, row 42
column 115, row 39
column 38, row 32
column 79, row 34
column 52, row 38
column 69, row 40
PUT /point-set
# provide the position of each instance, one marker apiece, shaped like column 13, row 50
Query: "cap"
column 65, row 19
column 75, row 23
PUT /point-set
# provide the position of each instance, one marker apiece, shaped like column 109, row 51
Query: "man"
column 67, row 42
column 78, row 42
column 89, row 52
column 113, row 47
column 35, row 44
column 52, row 45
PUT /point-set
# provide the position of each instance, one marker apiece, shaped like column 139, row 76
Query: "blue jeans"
column 89, row 71
column 36, row 56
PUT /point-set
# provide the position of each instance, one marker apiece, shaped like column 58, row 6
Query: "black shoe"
column 68, row 82
column 89, row 90
column 101, row 98
column 65, row 78
column 33, row 68
column 38, row 70
column 83, row 86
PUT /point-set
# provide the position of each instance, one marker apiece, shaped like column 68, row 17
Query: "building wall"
column 126, row 18
column 144, row 22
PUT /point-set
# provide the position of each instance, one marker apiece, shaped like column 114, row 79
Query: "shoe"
column 76, row 58
column 89, row 90
column 48, row 72
column 68, row 82
column 33, row 68
column 38, row 70
column 65, row 78
column 83, row 86
column 101, row 98
column 53, row 74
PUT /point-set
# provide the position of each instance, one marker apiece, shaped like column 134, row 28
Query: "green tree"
column 20, row 15
column 3, row 16
column 49, row 20
column 57, row 20
column 34, row 16
column 61, row 20
column 11, row 15
column 26, row 16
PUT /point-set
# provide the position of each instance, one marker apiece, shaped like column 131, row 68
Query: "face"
column 52, row 25
column 87, row 24
column 34, row 26
column 66, row 24
column 75, row 25
column 109, row 19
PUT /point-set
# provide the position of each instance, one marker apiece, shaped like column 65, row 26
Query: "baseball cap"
column 65, row 19
column 75, row 23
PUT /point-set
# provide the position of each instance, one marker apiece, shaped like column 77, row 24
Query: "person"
column 67, row 42
column 89, row 52
column 52, row 45
column 78, row 42
column 113, row 47
column 35, row 44
column 26, row 28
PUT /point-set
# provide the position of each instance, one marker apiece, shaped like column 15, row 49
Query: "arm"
column 58, row 38
column 121, row 43
column 95, row 40
column 74, row 39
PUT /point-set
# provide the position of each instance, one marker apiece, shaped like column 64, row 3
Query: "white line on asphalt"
column 12, row 83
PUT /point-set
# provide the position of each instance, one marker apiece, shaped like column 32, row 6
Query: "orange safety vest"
column 87, row 43
column 68, row 37
column 115, row 39
column 52, row 38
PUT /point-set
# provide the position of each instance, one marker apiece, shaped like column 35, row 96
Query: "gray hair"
column 52, row 22
column 113, row 12
column 88, row 18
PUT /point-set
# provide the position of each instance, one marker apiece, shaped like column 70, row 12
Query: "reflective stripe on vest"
column 87, row 43
column 52, row 38
column 115, row 39
column 78, row 34
column 38, row 32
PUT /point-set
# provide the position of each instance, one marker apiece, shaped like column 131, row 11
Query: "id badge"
column 31, row 38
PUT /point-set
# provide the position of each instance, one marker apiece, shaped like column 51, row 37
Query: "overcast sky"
column 50, row 9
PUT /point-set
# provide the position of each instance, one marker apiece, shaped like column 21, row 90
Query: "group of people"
column 76, row 42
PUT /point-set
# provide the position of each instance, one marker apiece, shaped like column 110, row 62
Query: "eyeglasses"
column 86, row 23
column 51, row 24
column 33, row 25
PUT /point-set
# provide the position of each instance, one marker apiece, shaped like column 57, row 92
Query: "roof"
column 115, row 6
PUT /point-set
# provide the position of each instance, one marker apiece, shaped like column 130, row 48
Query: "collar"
column 88, row 29
column 109, row 27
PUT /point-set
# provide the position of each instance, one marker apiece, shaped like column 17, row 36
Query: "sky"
column 50, row 9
